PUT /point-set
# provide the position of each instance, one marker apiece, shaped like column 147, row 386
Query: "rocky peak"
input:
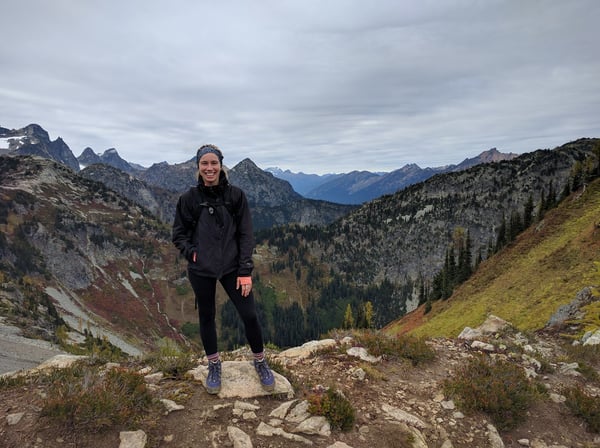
column 111, row 157
column 261, row 187
column 36, row 141
column 89, row 157
column 35, row 130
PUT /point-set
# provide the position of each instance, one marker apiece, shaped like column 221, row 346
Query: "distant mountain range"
column 358, row 187
column 272, row 200
column 352, row 188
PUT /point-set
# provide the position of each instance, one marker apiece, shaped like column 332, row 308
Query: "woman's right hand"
column 191, row 254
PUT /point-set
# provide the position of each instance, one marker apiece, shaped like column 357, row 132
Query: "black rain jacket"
column 215, row 223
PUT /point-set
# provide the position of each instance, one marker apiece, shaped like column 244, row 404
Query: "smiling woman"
column 218, row 245
column 209, row 159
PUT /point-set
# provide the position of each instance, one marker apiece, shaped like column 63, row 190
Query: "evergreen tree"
column 422, row 290
column 528, row 212
column 542, row 206
column 232, row 328
column 314, row 325
column 576, row 177
column 501, row 238
column 515, row 226
column 465, row 260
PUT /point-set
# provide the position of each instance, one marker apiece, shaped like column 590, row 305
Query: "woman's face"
column 210, row 169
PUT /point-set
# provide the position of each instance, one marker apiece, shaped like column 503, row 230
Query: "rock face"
column 161, row 203
column 97, row 257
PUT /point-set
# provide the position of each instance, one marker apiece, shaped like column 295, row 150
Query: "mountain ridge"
column 272, row 200
column 359, row 187
column 352, row 188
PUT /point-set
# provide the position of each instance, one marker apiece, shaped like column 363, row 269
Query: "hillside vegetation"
column 100, row 261
column 544, row 268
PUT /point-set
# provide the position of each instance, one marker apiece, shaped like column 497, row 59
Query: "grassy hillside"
column 526, row 282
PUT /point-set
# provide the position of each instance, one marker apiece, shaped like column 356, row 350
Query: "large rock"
column 493, row 324
column 306, row 350
column 572, row 309
column 239, row 380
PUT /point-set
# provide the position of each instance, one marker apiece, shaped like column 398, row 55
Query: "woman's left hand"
column 245, row 283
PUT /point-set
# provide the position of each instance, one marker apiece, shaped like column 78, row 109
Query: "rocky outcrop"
column 408, row 405
column 572, row 310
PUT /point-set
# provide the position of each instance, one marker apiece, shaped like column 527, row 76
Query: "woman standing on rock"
column 213, row 231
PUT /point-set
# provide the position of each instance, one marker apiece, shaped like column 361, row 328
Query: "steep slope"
column 529, row 280
column 407, row 234
column 73, row 247
column 161, row 203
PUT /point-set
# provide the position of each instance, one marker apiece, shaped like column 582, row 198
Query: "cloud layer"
column 313, row 86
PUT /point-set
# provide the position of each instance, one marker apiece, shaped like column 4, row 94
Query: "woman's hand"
column 245, row 283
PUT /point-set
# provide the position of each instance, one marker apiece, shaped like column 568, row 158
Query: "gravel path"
column 18, row 352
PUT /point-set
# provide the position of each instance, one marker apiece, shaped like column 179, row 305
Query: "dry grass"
column 526, row 283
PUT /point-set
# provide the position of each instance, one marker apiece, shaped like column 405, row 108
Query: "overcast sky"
column 306, row 85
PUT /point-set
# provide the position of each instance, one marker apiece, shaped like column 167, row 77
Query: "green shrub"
column 584, row 407
column 98, row 348
column 83, row 399
column 588, row 372
column 334, row 407
column 580, row 352
column 191, row 330
column 406, row 347
column 182, row 289
column 171, row 359
column 500, row 389
column 586, row 356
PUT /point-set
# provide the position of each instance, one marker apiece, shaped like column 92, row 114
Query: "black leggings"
column 205, row 289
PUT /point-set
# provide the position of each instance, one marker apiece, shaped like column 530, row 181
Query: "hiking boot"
column 265, row 375
column 213, row 379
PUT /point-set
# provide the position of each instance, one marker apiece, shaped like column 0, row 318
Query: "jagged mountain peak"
column 34, row 140
column 261, row 187
column 109, row 157
column 36, row 130
column 248, row 168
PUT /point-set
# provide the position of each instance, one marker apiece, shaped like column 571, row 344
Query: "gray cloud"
column 309, row 86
